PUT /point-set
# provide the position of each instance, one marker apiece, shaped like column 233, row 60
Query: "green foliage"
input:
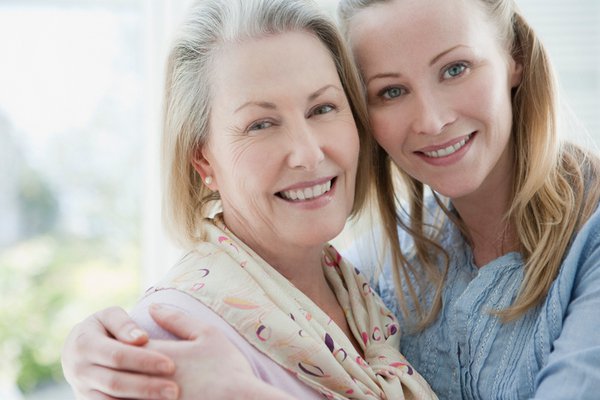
column 48, row 284
column 38, row 205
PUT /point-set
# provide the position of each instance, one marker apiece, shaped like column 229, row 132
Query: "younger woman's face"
column 439, row 84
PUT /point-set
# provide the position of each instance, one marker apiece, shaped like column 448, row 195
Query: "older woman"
column 258, row 119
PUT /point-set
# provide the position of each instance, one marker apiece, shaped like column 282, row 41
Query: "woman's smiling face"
column 439, row 82
column 283, row 145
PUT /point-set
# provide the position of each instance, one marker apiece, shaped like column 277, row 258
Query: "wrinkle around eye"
column 259, row 126
column 316, row 111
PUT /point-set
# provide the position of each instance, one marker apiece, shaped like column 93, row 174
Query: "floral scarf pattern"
column 283, row 323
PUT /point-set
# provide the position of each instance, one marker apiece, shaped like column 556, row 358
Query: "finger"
column 126, row 385
column 119, row 356
column 177, row 322
column 119, row 324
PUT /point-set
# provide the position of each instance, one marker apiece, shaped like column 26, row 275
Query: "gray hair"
column 212, row 24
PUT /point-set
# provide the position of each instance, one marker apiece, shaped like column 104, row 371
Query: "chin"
column 320, row 234
column 453, row 191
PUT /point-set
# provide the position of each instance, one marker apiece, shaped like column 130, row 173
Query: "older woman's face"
column 283, row 145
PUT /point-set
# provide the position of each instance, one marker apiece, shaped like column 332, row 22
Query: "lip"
column 307, row 184
column 316, row 202
column 451, row 142
column 451, row 158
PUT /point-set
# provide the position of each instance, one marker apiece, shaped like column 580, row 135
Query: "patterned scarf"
column 283, row 323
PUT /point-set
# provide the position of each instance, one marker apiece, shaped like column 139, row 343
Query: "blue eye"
column 454, row 70
column 257, row 126
column 324, row 109
column 392, row 92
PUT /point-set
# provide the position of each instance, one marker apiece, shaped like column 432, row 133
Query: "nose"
column 431, row 113
column 305, row 146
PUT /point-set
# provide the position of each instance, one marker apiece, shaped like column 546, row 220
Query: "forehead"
column 259, row 66
column 409, row 28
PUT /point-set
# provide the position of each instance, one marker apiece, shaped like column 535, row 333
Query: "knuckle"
column 117, row 357
column 80, row 342
column 108, row 314
column 114, row 384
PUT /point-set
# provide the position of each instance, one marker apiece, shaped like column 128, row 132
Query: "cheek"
column 241, row 167
column 341, row 141
column 493, row 104
column 388, row 129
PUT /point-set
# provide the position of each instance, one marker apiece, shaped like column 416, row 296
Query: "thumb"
column 116, row 322
column 176, row 321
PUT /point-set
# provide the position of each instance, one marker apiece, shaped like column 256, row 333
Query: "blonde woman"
column 493, row 233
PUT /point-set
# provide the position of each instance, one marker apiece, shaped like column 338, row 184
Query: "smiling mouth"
column 308, row 193
column 446, row 151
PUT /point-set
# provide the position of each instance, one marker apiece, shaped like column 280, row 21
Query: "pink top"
column 264, row 368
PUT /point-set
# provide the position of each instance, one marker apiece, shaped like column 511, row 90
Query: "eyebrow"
column 272, row 106
column 443, row 53
column 320, row 91
column 397, row 75
column 262, row 104
column 383, row 75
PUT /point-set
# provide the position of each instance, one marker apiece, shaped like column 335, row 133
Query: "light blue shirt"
column 553, row 352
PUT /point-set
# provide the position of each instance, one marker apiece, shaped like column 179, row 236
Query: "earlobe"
column 204, row 169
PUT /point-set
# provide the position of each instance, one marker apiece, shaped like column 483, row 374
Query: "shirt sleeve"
column 573, row 367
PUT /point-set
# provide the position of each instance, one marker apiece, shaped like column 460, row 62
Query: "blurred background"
column 80, row 105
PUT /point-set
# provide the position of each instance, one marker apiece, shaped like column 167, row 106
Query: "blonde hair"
column 556, row 186
column 212, row 24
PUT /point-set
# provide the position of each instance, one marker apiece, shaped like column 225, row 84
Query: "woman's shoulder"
column 580, row 268
column 584, row 250
column 263, row 367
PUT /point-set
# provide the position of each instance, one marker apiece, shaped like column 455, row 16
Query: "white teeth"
column 448, row 150
column 307, row 193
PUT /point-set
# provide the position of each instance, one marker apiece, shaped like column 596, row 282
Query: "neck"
column 302, row 267
column 483, row 213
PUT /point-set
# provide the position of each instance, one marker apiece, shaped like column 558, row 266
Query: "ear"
column 203, row 167
column 516, row 73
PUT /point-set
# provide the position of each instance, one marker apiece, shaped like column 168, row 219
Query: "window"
column 571, row 32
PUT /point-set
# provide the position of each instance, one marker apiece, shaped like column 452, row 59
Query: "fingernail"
column 156, row 306
column 136, row 333
column 169, row 393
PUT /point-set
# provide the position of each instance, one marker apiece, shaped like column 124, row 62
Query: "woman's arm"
column 573, row 368
column 207, row 362
column 103, row 359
